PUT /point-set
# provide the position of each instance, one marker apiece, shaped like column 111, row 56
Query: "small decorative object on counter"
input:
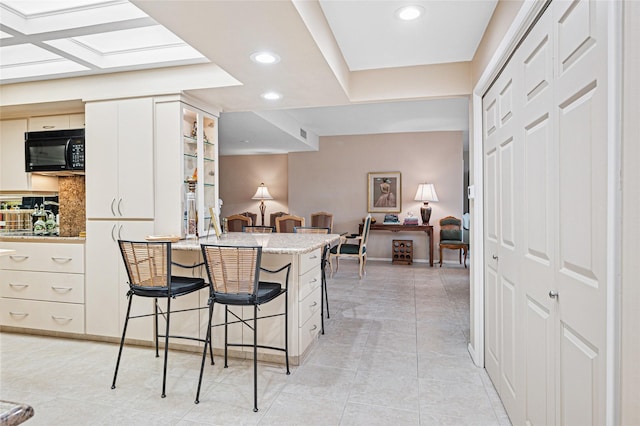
column 191, row 231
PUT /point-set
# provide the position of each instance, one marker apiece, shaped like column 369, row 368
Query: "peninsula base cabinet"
column 106, row 277
column 304, row 308
column 42, row 287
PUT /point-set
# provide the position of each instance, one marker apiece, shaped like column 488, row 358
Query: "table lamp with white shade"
column 262, row 194
column 426, row 192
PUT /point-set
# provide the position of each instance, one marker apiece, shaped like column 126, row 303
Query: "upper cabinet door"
column 119, row 159
column 12, row 174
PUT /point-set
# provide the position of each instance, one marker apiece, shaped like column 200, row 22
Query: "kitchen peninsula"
column 304, row 252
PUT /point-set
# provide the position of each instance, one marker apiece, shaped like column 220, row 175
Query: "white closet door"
column 503, row 152
column 546, row 182
column 580, row 30
column 535, row 60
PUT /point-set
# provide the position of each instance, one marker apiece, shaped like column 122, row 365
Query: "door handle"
column 553, row 294
column 112, row 233
column 113, row 212
column 119, row 203
column 494, row 257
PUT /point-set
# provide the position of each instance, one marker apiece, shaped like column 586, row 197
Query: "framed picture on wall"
column 384, row 192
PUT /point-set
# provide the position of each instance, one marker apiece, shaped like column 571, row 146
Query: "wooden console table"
column 428, row 229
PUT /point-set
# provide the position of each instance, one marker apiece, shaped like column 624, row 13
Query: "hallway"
column 394, row 353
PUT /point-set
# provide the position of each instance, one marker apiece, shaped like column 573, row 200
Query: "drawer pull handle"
column 14, row 285
column 313, row 257
column 18, row 258
column 314, row 328
column 57, row 318
column 314, row 304
column 315, row 280
column 61, row 259
column 61, row 289
column 19, row 314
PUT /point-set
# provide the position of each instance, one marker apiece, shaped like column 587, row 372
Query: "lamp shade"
column 426, row 192
column 262, row 193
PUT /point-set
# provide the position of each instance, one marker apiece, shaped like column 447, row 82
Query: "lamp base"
column 262, row 209
column 425, row 212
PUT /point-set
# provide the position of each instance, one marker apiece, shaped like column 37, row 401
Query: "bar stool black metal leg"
column 255, row 358
column 124, row 333
column 204, row 352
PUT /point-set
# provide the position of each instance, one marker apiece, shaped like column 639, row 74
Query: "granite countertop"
column 14, row 413
column 41, row 239
column 276, row 243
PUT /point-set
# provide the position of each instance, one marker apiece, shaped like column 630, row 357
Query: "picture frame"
column 384, row 192
column 215, row 223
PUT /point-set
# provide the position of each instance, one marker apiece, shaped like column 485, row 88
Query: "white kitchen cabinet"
column 119, row 159
column 56, row 122
column 186, row 145
column 42, row 287
column 12, row 174
column 106, row 289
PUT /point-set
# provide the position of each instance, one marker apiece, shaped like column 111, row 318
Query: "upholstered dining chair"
column 234, row 277
column 451, row 237
column 322, row 220
column 323, row 263
column 274, row 216
column 288, row 222
column 236, row 222
column 352, row 246
column 148, row 266
column 253, row 216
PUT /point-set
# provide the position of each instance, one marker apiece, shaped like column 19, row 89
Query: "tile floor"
column 394, row 353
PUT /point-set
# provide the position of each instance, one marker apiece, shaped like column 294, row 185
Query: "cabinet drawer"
column 309, row 282
column 54, row 316
column 309, row 306
column 308, row 332
column 309, row 260
column 44, row 257
column 48, row 286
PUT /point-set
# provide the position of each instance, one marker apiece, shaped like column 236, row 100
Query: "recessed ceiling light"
column 265, row 58
column 409, row 13
column 271, row 96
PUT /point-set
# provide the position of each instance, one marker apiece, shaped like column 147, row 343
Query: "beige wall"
column 630, row 298
column 240, row 176
column 502, row 18
column 335, row 179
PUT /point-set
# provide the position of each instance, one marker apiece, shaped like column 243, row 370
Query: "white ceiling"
column 323, row 45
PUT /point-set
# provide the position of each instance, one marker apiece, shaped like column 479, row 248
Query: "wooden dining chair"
column 322, row 220
column 288, row 222
column 236, row 222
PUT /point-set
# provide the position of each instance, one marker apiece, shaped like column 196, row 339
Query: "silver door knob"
column 553, row 294
column 494, row 257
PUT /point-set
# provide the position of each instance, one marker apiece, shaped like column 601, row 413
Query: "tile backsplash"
column 71, row 195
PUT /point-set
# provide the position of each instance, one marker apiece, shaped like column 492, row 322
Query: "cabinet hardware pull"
column 494, row 257
column 553, row 294
column 62, row 259
column 57, row 318
column 61, row 289
column 112, row 233
column 313, row 281
column 119, row 203
column 21, row 314
column 314, row 304
column 314, row 328
column 49, row 127
column 18, row 258
column 113, row 212
column 120, row 232
column 313, row 257
column 18, row 285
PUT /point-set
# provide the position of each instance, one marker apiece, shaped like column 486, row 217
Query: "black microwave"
column 54, row 151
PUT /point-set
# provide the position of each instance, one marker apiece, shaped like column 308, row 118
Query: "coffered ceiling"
column 345, row 67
